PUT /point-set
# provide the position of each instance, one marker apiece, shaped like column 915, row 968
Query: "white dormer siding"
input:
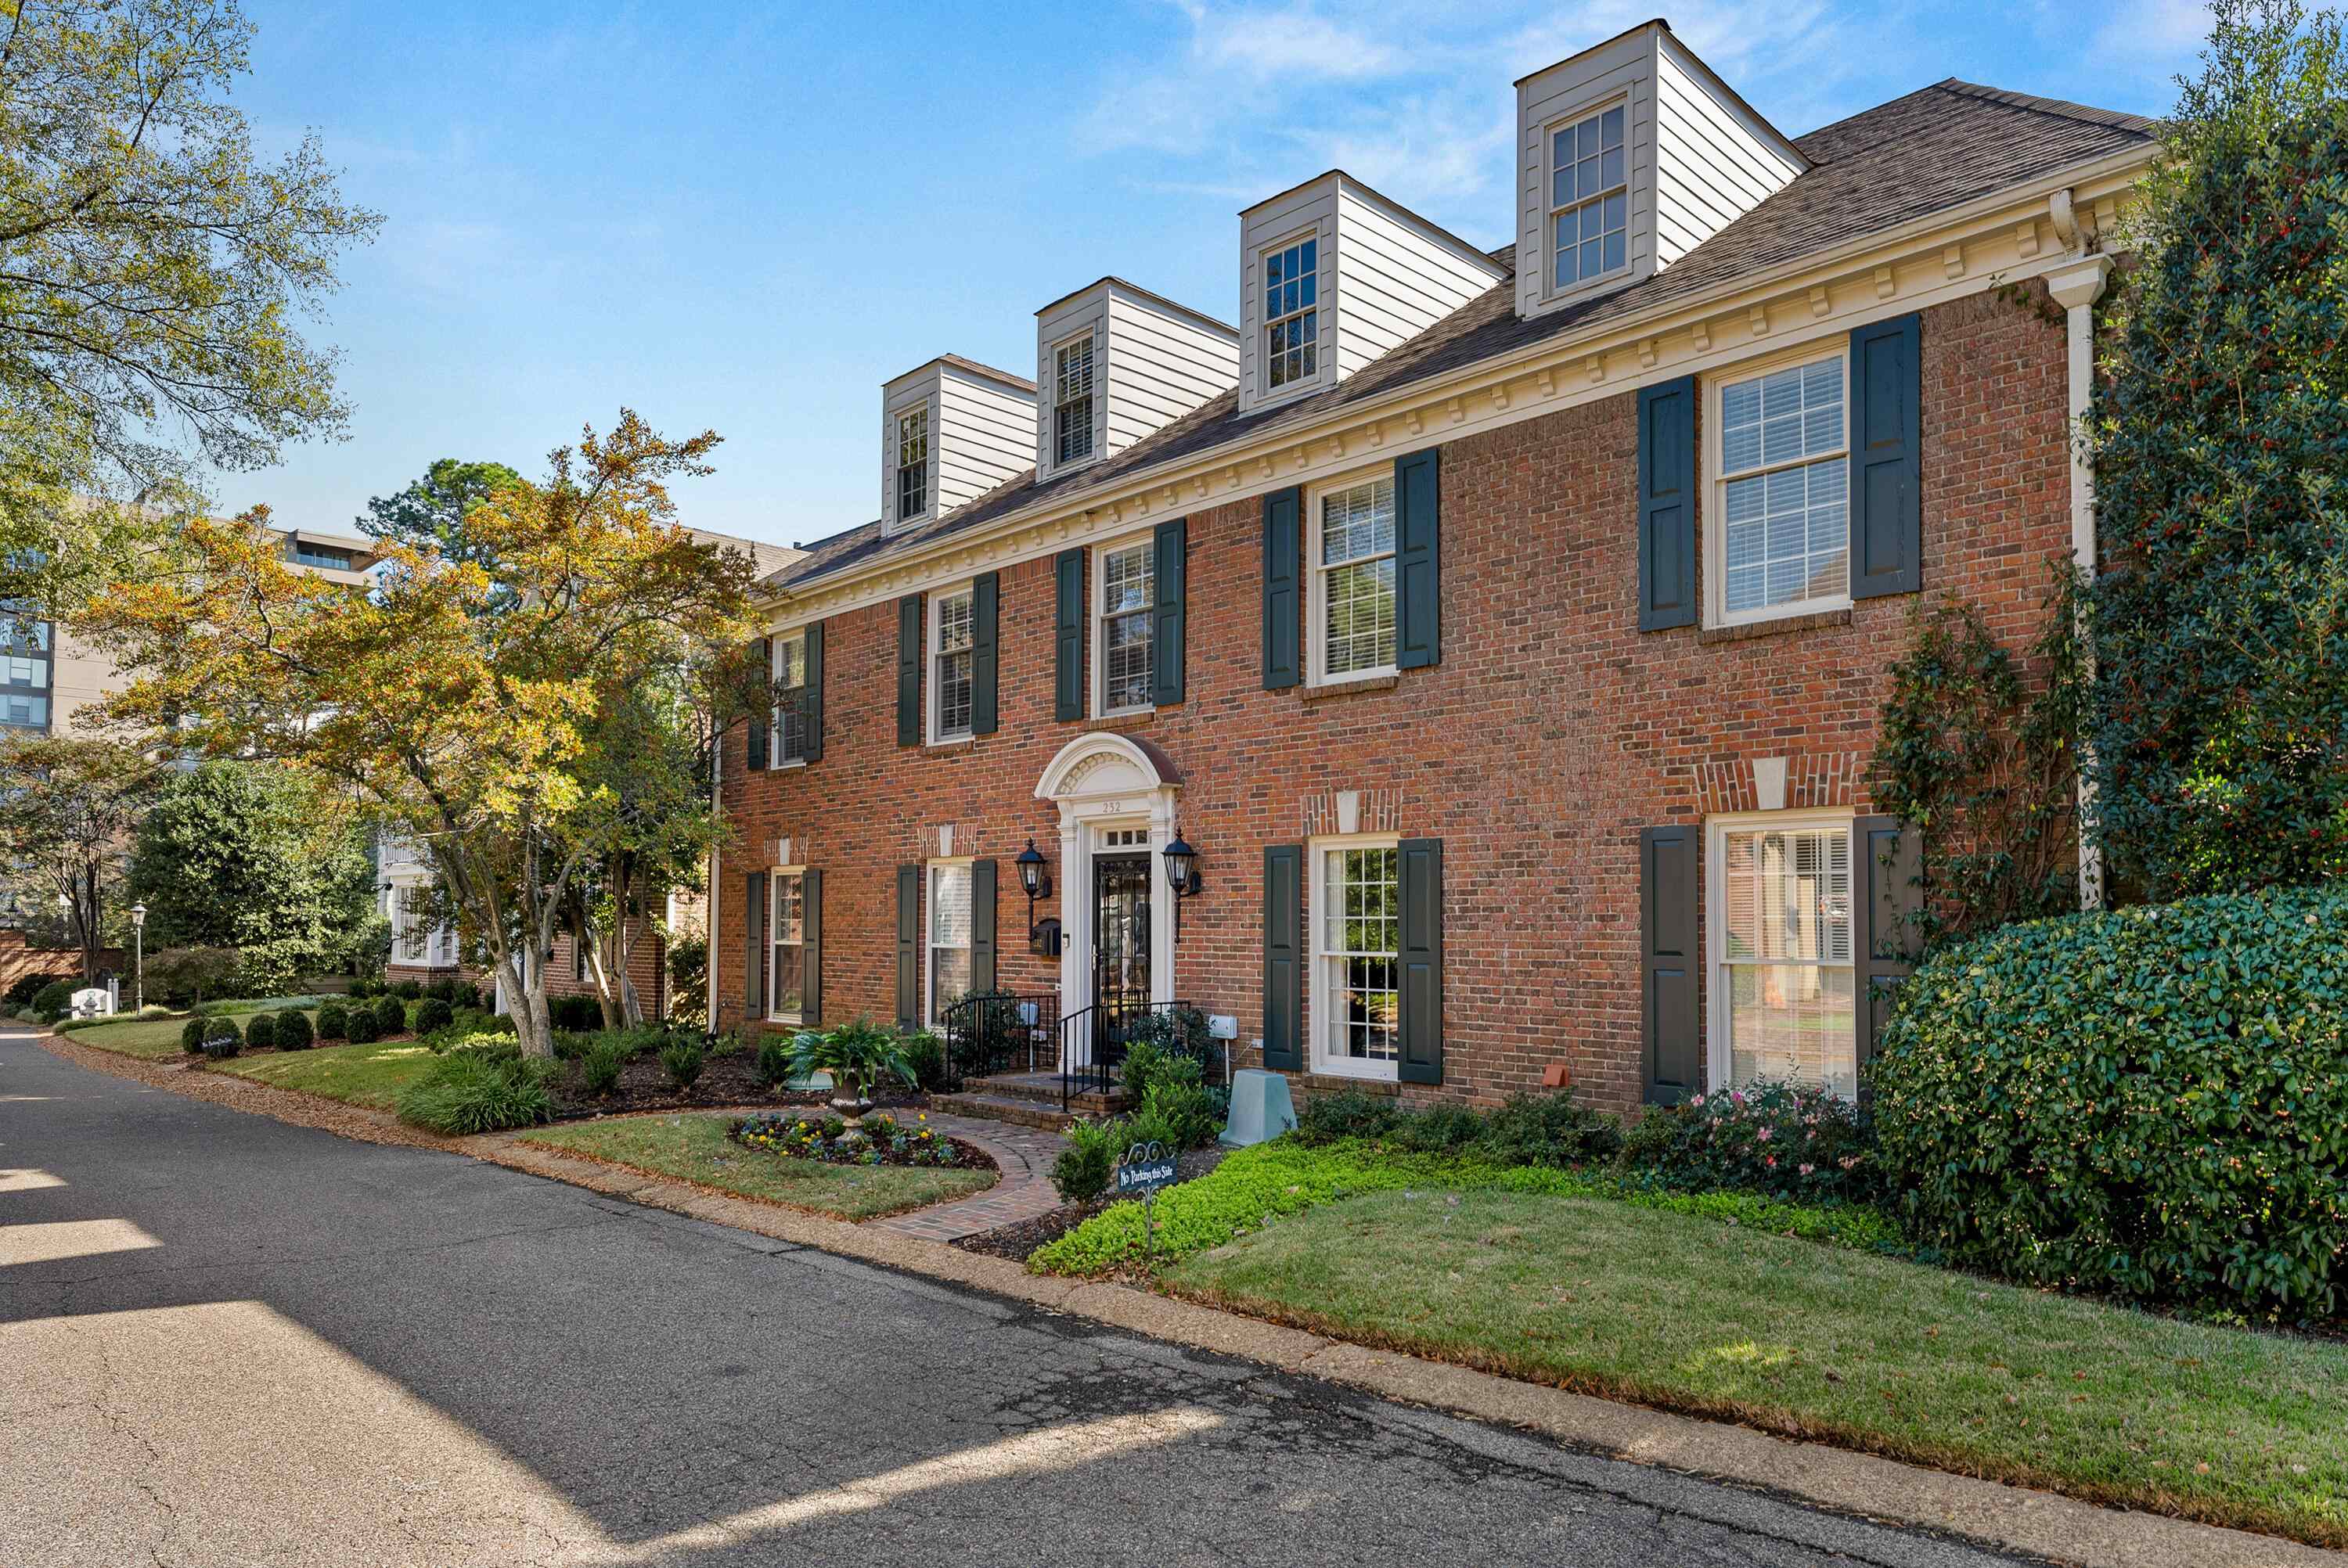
column 966, row 428
column 1378, row 275
column 1677, row 156
column 1151, row 362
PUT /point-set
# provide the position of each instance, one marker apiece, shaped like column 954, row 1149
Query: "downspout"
column 2076, row 286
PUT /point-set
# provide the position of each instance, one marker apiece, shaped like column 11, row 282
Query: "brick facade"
column 647, row 964
column 1550, row 734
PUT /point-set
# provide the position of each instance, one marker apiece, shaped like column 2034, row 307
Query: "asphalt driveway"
column 226, row 1341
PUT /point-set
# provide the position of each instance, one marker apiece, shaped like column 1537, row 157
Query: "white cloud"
column 2164, row 31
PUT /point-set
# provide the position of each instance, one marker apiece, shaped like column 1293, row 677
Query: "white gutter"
column 2077, row 287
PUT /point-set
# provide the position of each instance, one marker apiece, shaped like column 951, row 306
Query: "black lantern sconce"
column 1036, row 877
column 1181, row 874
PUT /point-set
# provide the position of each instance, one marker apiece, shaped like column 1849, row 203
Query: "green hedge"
column 2151, row 1101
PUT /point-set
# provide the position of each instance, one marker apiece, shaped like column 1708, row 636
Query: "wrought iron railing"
column 997, row 1031
column 1096, row 1041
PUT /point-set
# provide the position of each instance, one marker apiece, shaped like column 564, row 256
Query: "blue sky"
column 747, row 217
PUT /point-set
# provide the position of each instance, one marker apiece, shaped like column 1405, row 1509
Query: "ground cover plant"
column 878, row 1139
column 700, row 1148
column 478, row 1089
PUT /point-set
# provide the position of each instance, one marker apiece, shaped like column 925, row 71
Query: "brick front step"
column 1003, row 1108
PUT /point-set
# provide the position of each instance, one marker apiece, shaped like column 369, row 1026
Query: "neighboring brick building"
column 1535, row 606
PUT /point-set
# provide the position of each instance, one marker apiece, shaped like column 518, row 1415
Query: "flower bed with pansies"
column 880, row 1140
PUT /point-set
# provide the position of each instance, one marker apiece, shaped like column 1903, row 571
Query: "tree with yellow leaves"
column 471, row 705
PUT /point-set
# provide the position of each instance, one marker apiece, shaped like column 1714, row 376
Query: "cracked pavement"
column 231, row 1341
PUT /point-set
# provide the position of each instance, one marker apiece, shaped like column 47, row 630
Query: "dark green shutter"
column 1283, row 957
column 754, row 945
column 811, row 699
column 1671, row 863
column 1421, row 981
column 1418, row 560
column 986, row 650
column 1887, row 491
column 810, row 948
column 909, row 946
column 1667, row 548
column 1166, row 611
column 1283, row 600
column 981, row 925
column 1068, row 634
column 766, row 654
column 909, row 670
column 1888, row 879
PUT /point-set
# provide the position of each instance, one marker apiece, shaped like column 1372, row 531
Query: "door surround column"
column 1099, row 780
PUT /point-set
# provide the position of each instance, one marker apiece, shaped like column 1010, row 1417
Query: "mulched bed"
column 1017, row 1240
column 725, row 1080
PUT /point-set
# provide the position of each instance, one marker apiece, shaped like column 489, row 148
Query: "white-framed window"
column 1072, row 399
column 1352, row 549
column 952, row 624
column 786, row 930
column 913, row 463
column 1356, row 938
column 1785, row 1001
column 1780, row 449
column 1291, row 315
column 1123, row 576
column 948, row 937
column 788, row 726
column 1589, row 198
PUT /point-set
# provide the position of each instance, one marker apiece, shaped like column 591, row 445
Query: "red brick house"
column 1505, row 630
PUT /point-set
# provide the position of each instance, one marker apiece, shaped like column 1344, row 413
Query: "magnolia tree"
column 478, row 712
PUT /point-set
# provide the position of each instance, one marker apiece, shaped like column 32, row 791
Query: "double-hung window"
column 789, row 727
column 952, row 623
column 1357, row 907
column 787, row 976
column 912, row 464
column 1072, row 405
column 1785, row 991
column 1353, row 581
column 1590, row 198
column 24, row 670
column 949, row 935
column 1783, row 492
column 1121, row 627
column 1291, row 315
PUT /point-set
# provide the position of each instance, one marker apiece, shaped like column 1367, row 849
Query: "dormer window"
column 1590, row 200
column 1072, row 400
column 912, row 464
column 1292, row 332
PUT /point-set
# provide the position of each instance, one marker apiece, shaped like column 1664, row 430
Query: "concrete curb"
column 2009, row 1518
column 2015, row 1519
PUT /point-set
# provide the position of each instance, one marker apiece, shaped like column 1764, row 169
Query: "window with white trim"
column 1291, row 315
column 949, row 935
column 789, row 719
column 1786, row 991
column 953, row 622
column 1357, row 937
column 1125, row 578
column 912, row 464
column 1072, row 399
column 1590, row 198
column 1352, row 588
column 1781, row 491
column 786, row 922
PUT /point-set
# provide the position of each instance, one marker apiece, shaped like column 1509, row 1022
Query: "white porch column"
column 2076, row 287
column 1075, row 929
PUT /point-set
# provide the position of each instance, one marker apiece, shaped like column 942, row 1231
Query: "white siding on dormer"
column 1160, row 367
column 1713, row 163
column 1698, row 158
column 1386, row 276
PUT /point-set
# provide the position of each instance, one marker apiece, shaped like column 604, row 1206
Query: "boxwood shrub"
column 191, row 1037
column 261, row 1031
column 2151, row 1101
column 359, row 1027
column 390, row 1015
column 334, row 1021
column 53, row 1001
column 434, row 1014
column 293, row 1032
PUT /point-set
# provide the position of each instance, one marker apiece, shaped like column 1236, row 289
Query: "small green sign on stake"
column 1148, row 1167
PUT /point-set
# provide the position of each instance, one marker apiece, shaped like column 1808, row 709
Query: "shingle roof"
column 1936, row 148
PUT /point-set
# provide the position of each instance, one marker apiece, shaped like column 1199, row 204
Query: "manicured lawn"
column 361, row 1074
column 150, row 1038
column 1921, row 1363
column 695, row 1149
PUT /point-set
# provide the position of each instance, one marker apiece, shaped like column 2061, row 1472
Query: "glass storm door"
column 1120, row 935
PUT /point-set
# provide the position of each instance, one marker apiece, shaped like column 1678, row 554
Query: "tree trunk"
column 526, row 1004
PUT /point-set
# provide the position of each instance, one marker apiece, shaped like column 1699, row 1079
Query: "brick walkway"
column 1025, row 1155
